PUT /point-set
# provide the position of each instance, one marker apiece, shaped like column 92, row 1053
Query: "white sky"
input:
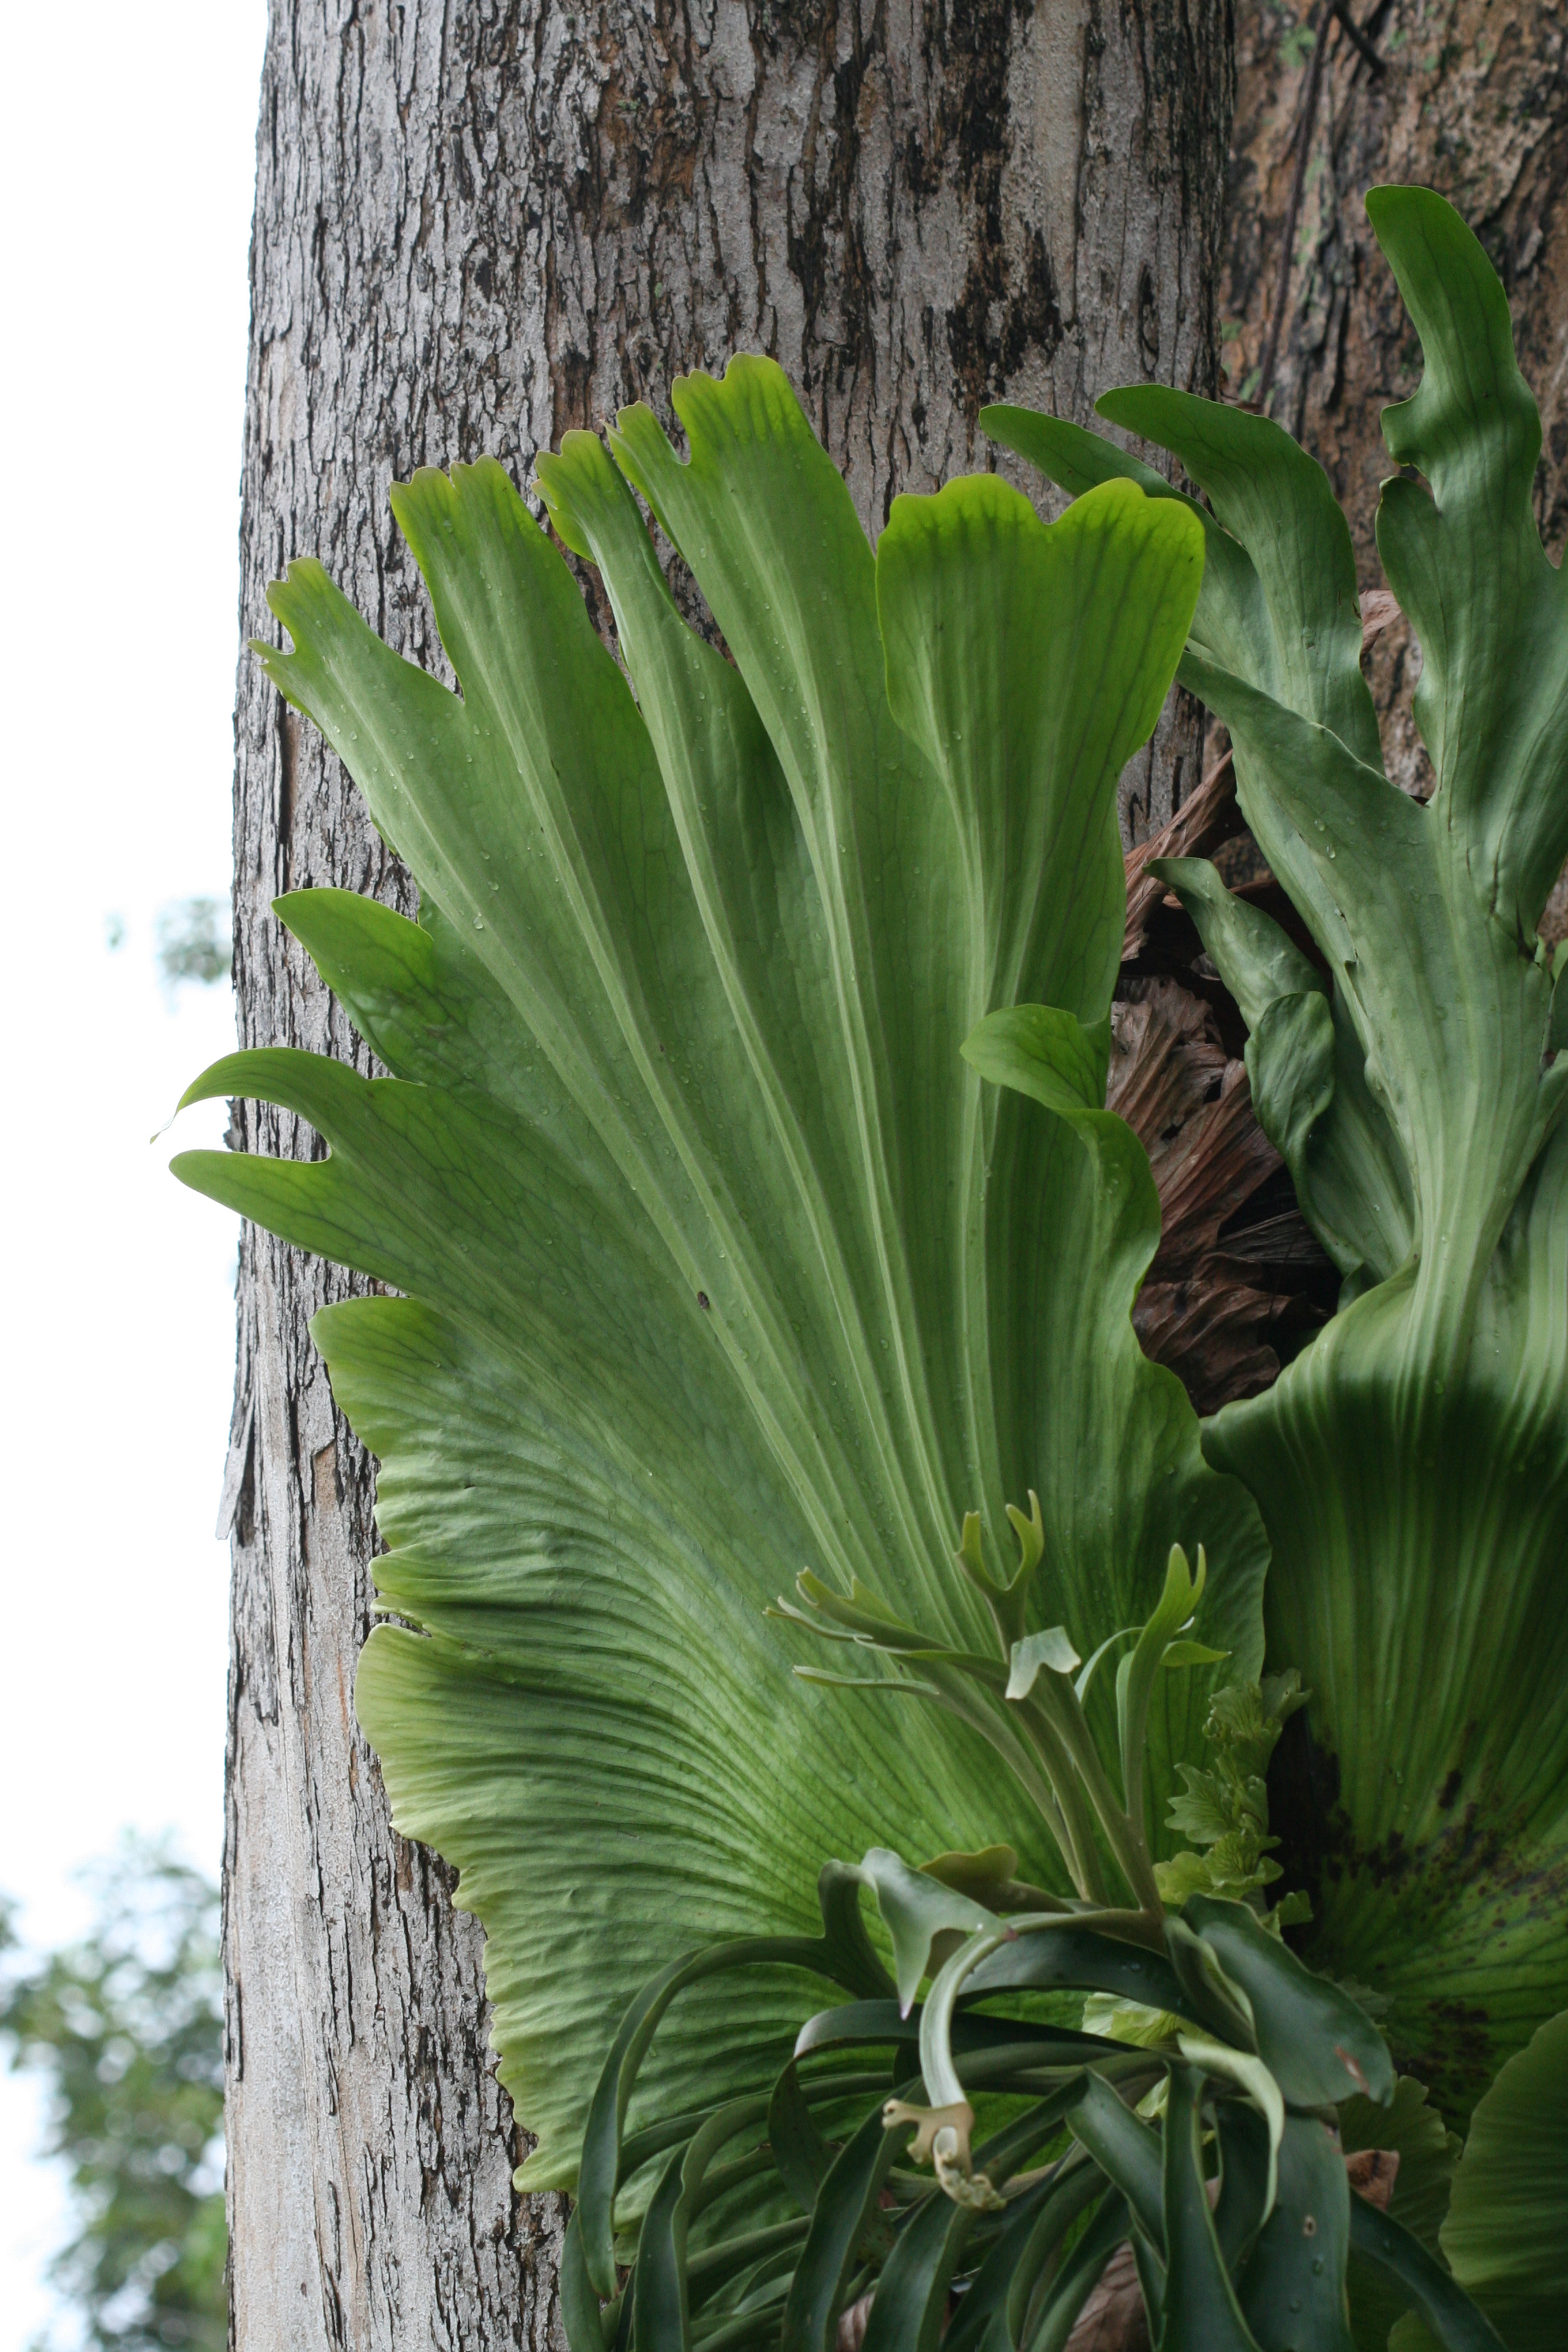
column 125, row 185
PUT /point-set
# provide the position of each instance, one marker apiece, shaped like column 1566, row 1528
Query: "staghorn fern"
column 720, row 1263
column 722, row 1270
column 1412, row 1463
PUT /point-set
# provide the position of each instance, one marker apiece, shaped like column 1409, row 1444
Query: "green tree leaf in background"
column 126, row 2027
column 193, row 942
column 721, row 1264
column 1412, row 1463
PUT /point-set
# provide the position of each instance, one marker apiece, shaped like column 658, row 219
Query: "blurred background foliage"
column 193, row 943
column 126, row 2027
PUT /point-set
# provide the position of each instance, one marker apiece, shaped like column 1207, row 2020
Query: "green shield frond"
column 719, row 1263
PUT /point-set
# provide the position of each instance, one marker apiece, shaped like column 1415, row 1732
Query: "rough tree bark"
column 479, row 223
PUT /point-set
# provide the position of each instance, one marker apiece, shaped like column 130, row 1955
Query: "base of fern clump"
column 1139, row 2072
column 963, row 2171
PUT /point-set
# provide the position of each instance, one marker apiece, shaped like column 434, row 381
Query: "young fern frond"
column 1027, row 1703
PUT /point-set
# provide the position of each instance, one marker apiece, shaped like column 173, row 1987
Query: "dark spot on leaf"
column 1389, row 1862
column 1482, row 1862
column 702, row 1298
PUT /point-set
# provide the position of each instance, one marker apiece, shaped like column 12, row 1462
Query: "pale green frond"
column 722, row 1268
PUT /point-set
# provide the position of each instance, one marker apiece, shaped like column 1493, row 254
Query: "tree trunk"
column 478, row 225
